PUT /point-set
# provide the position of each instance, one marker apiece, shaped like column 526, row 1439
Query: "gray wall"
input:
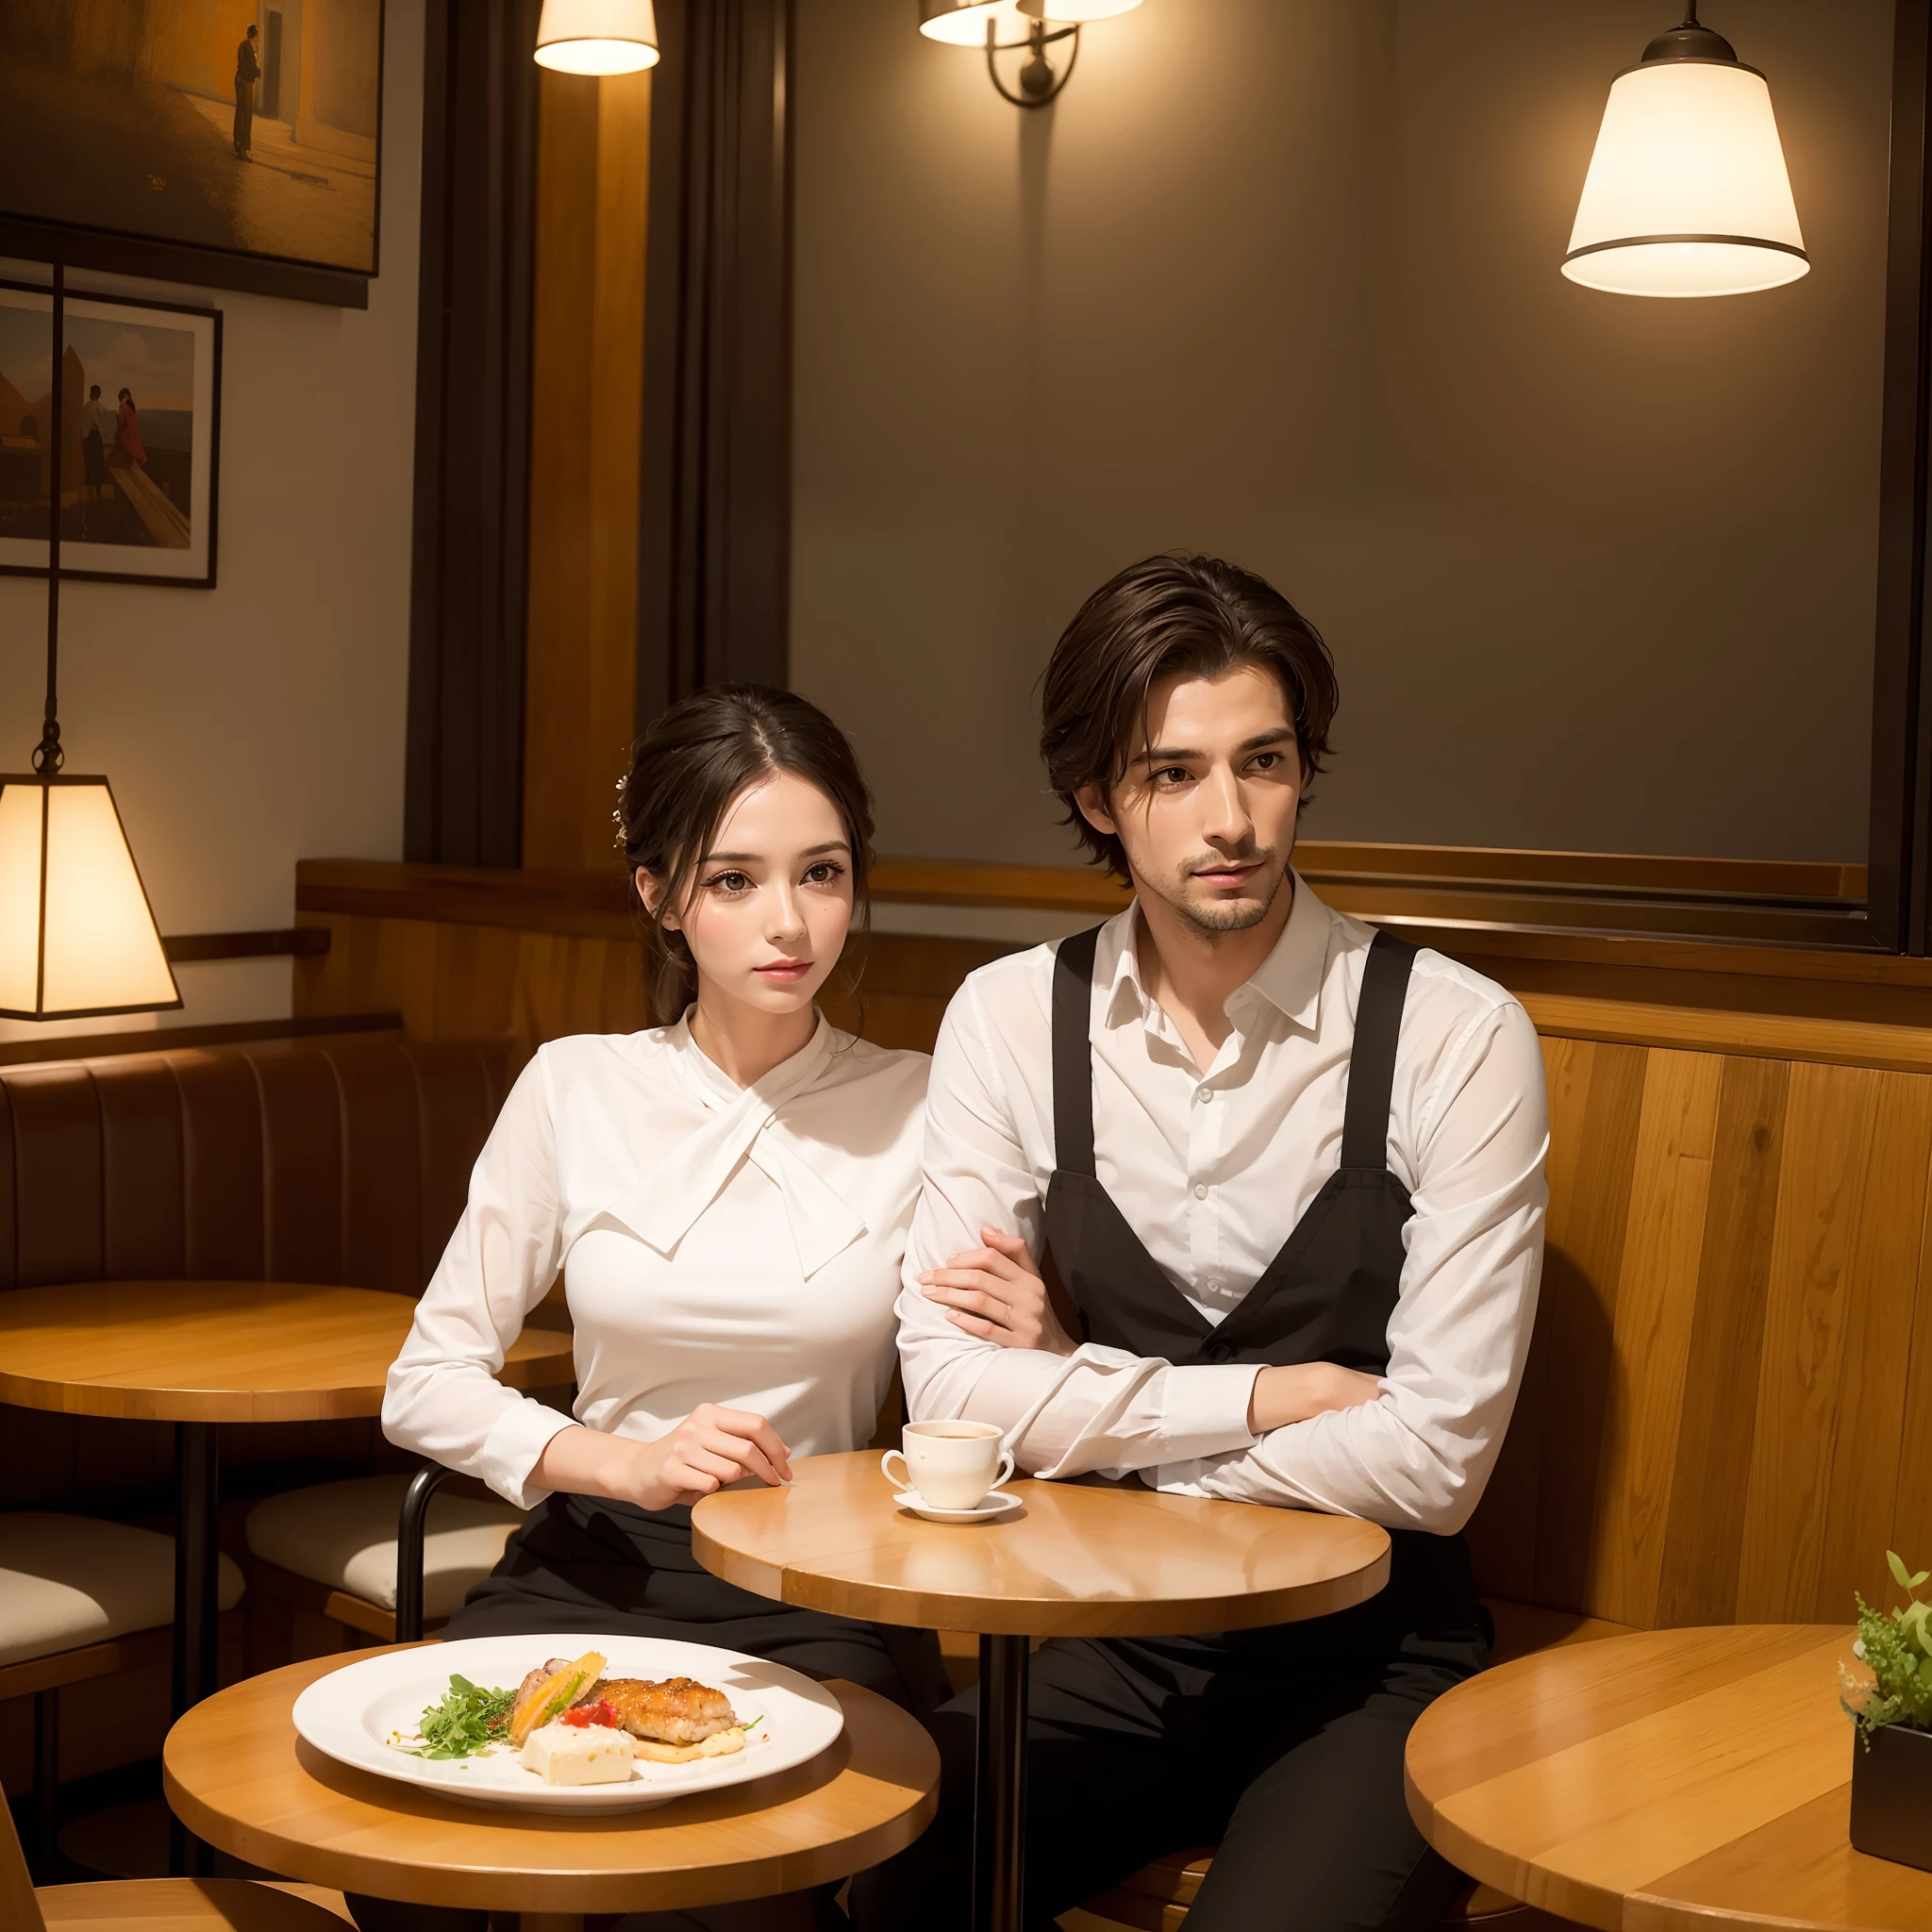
column 1278, row 278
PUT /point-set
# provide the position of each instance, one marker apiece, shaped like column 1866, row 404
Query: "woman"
column 127, row 449
column 727, row 1199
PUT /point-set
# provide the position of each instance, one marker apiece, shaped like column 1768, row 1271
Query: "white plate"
column 996, row 1503
column 351, row 1713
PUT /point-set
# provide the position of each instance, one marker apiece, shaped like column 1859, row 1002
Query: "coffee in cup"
column 951, row 1465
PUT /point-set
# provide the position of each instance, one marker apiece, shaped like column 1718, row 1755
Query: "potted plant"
column 1891, row 1767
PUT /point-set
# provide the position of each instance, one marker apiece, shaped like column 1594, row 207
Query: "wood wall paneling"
column 586, row 434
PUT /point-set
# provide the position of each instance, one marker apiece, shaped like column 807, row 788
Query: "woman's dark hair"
column 127, row 398
column 685, row 772
column 1194, row 615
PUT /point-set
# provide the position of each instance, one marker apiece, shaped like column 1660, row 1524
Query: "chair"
column 332, row 1550
column 81, row 1598
column 147, row 1905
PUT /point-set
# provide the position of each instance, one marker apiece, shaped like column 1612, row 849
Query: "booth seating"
column 1727, row 1412
column 81, row 1598
column 331, row 1549
column 343, row 1160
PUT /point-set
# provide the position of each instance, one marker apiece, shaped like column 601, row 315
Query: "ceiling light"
column 597, row 36
column 1686, row 193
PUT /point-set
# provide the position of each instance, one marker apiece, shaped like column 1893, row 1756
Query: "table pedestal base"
column 197, row 1591
column 999, row 1812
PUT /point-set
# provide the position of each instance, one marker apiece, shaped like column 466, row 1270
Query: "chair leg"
column 46, row 1775
column 411, row 1528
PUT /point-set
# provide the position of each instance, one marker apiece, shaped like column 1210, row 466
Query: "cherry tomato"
column 580, row 1716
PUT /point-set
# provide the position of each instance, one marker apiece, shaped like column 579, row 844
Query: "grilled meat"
column 679, row 1710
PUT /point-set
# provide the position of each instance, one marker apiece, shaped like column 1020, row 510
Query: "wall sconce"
column 1686, row 193
column 981, row 23
column 597, row 36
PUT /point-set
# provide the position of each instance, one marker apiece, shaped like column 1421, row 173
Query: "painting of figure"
column 137, row 441
column 246, row 126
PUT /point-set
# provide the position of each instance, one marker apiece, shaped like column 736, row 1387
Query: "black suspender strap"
column 1372, row 1061
column 1072, row 1056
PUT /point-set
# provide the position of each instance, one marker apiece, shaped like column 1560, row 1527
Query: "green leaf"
column 1900, row 1575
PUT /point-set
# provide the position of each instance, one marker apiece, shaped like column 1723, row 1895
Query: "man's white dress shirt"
column 741, row 1246
column 1213, row 1169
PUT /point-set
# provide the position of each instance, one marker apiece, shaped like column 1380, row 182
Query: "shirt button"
column 1217, row 1351
column 1203, row 1094
column 1200, row 1192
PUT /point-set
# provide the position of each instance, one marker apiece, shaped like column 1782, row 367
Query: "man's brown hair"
column 1174, row 613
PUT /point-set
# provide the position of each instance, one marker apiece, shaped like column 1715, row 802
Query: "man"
column 1288, row 1174
column 93, row 441
column 247, row 72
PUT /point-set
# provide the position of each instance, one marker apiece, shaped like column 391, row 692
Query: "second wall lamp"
column 986, row 24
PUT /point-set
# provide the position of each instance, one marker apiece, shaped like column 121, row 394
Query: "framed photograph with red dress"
column 137, row 466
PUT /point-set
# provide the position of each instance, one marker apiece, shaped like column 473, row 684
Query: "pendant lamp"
column 597, row 36
column 1686, row 193
column 77, row 937
column 1076, row 12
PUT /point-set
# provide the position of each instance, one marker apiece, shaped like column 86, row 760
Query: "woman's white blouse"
column 741, row 1246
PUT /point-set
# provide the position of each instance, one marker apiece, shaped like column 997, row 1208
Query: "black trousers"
column 1283, row 1746
column 583, row 1564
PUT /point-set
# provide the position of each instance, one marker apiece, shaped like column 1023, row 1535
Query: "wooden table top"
column 221, row 1351
column 1671, row 1781
column 237, row 1774
column 1075, row 1561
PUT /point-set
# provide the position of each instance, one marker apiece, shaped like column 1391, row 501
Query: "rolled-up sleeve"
column 1062, row 1415
column 443, row 1398
column 1419, row 1457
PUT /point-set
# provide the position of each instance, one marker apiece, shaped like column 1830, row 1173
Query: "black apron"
column 1327, row 1296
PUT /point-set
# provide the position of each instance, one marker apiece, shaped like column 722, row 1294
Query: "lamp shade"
column 1072, row 13
column 963, row 23
column 77, row 935
column 1686, row 193
column 597, row 36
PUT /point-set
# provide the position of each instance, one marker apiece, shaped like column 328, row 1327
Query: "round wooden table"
column 1671, row 1781
column 202, row 1353
column 237, row 1774
column 1074, row 1560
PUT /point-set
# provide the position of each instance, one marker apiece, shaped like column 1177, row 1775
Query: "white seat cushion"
column 344, row 1535
column 66, row 1581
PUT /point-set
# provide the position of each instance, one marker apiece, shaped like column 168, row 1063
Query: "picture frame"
column 140, row 467
column 129, row 138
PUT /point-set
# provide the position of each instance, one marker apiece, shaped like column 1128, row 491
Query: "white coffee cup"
column 950, row 1465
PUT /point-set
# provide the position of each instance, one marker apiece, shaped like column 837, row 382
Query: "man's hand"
column 709, row 1449
column 996, row 1293
column 1297, row 1391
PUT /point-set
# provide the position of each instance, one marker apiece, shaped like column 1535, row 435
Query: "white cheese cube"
column 563, row 1753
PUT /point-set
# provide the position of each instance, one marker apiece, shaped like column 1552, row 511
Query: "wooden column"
column 587, row 390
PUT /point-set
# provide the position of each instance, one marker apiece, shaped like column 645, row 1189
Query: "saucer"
column 996, row 1503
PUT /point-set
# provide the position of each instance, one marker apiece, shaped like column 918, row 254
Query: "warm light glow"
column 597, row 36
column 87, row 945
column 962, row 22
column 1072, row 13
column 1686, row 186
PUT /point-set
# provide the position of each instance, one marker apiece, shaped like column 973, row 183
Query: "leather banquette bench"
column 343, row 1160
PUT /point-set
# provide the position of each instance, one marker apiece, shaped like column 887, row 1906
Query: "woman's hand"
column 1297, row 1391
column 995, row 1293
column 711, row 1448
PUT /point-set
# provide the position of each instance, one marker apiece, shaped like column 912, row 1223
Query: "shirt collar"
column 1289, row 979
column 742, row 1123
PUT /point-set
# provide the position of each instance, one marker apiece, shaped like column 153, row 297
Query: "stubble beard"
column 1225, row 916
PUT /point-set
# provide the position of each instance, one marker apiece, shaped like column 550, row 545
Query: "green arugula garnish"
column 468, row 1719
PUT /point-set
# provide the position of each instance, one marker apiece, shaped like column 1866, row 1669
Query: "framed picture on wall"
column 140, row 389
column 247, row 126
